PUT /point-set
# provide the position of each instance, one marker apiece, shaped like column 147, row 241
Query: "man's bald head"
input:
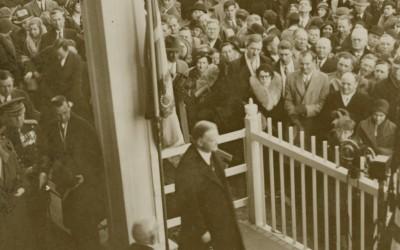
column 323, row 48
column 348, row 83
column 205, row 135
column 145, row 231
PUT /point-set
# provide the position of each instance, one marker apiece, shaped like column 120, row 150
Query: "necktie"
column 59, row 34
column 286, row 69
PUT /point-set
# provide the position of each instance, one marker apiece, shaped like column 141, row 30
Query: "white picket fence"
column 268, row 207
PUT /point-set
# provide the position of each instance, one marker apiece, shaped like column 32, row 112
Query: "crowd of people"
column 329, row 69
column 47, row 142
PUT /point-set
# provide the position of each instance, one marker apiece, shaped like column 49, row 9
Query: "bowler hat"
column 381, row 105
column 389, row 2
column 341, row 11
column 323, row 5
column 14, row 107
column 172, row 44
column 5, row 12
column 199, row 6
column 22, row 15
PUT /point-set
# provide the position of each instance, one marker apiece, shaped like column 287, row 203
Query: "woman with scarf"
column 266, row 87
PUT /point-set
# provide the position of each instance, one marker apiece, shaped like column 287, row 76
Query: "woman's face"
column 264, row 77
column 322, row 12
column 327, row 31
column 34, row 30
column 202, row 64
column 215, row 58
column 378, row 117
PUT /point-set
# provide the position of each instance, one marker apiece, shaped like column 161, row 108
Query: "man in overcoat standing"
column 207, row 213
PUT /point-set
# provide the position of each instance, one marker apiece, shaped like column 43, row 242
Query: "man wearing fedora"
column 37, row 7
column 21, row 18
column 360, row 15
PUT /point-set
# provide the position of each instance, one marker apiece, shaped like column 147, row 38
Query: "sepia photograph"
column 199, row 124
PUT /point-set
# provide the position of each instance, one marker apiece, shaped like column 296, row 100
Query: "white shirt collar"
column 347, row 98
column 206, row 156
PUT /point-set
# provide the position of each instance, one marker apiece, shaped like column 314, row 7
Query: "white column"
column 115, row 46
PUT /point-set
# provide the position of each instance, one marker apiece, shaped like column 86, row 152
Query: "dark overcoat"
column 78, row 153
column 205, row 204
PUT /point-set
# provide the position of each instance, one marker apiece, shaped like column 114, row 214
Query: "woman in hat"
column 327, row 29
column 266, row 87
column 202, row 78
column 377, row 131
column 324, row 11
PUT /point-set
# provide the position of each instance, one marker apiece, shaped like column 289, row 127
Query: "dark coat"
column 390, row 91
column 358, row 107
column 367, row 18
column 79, row 153
column 67, row 81
column 50, row 37
column 30, row 110
column 206, row 204
column 329, row 65
column 238, row 86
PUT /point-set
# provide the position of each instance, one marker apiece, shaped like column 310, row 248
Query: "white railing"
column 293, row 226
column 297, row 159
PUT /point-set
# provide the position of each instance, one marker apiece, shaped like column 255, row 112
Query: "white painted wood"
column 338, row 218
column 292, row 189
column 375, row 219
column 350, row 216
column 271, row 177
column 303, row 192
column 362, row 220
column 326, row 197
column 282, row 181
column 314, row 195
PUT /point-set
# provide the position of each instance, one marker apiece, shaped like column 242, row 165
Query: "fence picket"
column 292, row 190
column 282, row 177
column 326, row 196
column 314, row 193
column 303, row 194
column 272, row 177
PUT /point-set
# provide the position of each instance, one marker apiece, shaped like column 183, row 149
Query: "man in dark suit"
column 360, row 15
column 37, row 7
column 63, row 76
column 237, row 81
column 325, row 61
column 9, row 92
column 359, row 43
column 213, row 34
column 77, row 172
column 207, row 213
column 58, row 31
column 348, row 98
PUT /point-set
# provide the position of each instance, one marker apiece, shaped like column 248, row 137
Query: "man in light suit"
column 306, row 91
column 37, row 7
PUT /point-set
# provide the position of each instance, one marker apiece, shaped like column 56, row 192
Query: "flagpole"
column 157, row 117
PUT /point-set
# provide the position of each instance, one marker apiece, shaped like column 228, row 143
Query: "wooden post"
column 254, row 161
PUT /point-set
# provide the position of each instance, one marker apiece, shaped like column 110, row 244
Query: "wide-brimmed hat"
column 341, row 11
column 360, row 2
column 172, row 44
column 5, row 12
column 381, row 105
column 22, row 15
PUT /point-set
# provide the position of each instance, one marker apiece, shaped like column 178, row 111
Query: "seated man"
column 377, row 131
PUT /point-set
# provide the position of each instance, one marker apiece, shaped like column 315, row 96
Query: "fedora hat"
column 21, row 16
column 360, row 2
column 172, row 44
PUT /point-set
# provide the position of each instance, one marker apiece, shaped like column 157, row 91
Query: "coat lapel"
column 313, row 83
column 206, row 169
column 300, row 86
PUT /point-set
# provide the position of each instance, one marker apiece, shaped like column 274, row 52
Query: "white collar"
column 205, row 155
column 347, row 98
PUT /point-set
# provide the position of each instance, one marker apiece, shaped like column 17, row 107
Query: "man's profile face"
column 63, row 112
column 285, row 55
column 254, row 50
column 58, row 20
column 344, row 65
column 208, row 142
column 6, row 86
